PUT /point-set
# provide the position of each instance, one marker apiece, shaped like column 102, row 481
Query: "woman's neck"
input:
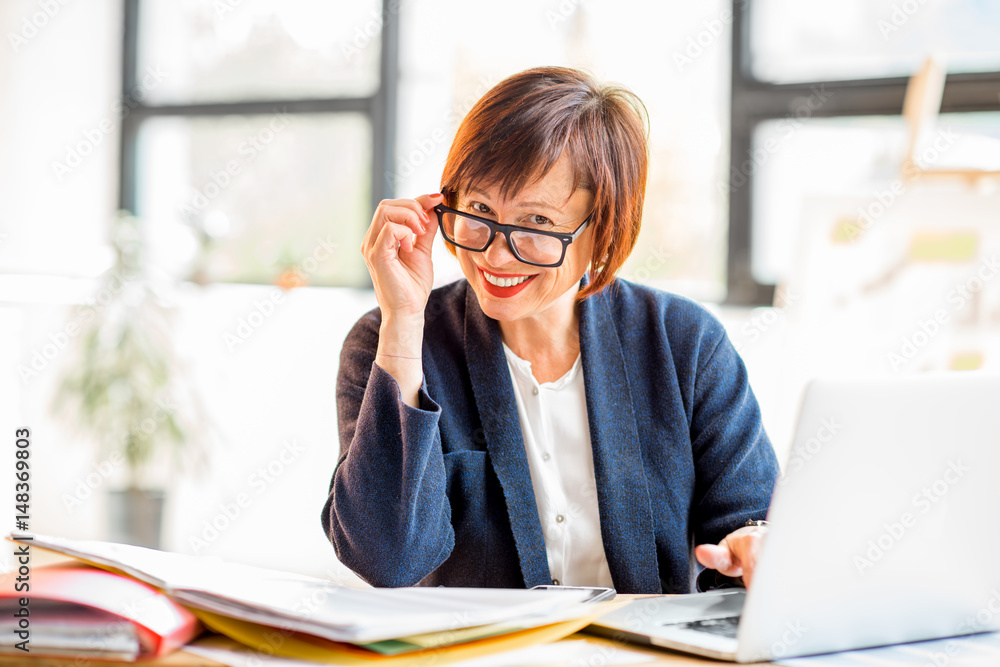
column 550, row 340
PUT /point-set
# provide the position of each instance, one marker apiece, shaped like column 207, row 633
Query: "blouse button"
column 546, row 456
column 534, row 391
column 555, row 582
column 560, row 518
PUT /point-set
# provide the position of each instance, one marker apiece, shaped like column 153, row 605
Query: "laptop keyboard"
column 725, row 627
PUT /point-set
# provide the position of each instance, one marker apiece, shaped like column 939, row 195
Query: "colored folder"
column 84, row 611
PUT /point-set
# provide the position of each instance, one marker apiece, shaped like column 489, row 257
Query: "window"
column 257, row 134
column 817, row 93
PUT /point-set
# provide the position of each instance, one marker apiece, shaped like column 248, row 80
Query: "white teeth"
column 504, row 282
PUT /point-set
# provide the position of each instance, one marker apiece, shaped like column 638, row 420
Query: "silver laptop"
column 885, row 528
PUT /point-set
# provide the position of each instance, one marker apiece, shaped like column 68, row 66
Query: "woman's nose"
column 499, row 254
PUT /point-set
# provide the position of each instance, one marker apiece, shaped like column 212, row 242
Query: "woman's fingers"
column 426, row 240
column 397, row 250
column 416, row 214
column 736, row 555
column 403, row 212
column 427, row 202
column 393, row 238
column 717, row 557
column 746, row 549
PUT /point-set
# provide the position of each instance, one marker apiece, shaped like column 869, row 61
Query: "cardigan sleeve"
column 735, row 464
column 387, row 513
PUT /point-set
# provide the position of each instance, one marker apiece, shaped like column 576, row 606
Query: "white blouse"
column 556, row 434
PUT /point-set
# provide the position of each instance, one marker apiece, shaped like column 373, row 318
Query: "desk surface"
column 177, row 659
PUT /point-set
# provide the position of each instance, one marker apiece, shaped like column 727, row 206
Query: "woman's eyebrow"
column 477, row 191
column 538, row 204
column 520, row 204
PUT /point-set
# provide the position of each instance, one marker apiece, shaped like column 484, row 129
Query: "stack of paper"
column 64, row 629
column 256, row 605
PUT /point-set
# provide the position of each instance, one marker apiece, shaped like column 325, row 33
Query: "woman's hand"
column 736, row 555
column 397, row 250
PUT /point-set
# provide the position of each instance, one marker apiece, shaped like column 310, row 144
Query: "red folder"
column 161, row 624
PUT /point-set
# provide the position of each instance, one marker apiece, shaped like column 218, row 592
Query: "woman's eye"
column 539, row 220
column 480, row 208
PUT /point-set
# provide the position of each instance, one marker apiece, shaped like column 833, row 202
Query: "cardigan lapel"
column 497, row 406
column 622, row 489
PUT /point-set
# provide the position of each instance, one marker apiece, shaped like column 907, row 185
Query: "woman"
column 540, row 421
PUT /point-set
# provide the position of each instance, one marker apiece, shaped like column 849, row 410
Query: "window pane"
column 810, row 40
column 245, row 198
column 853, row 156
column 196, row 51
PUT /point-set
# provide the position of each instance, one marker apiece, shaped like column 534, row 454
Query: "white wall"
column 270, row 400
column 59, row 73
column 58, row 87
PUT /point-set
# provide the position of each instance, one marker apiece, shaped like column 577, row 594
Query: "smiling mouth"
column 504, row 282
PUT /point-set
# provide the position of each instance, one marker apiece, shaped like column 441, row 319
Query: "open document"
column 314, row 606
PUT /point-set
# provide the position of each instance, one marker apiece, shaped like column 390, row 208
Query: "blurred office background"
column 251, row 140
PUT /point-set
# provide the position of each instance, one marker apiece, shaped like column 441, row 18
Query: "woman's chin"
column 502, row 310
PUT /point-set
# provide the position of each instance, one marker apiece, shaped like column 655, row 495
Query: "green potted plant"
column 121, row 384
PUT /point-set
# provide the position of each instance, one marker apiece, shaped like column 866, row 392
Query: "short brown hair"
column 520, row 128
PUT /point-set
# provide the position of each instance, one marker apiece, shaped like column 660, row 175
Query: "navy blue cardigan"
column 442, row 494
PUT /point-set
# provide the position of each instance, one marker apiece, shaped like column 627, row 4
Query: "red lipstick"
column 503, row 292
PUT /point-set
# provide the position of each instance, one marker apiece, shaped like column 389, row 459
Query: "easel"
column 920, row 111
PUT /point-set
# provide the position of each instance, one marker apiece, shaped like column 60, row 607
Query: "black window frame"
column 380, row 107
column 753, row 101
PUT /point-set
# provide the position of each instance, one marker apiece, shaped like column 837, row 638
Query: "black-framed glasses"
column 532, row 246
